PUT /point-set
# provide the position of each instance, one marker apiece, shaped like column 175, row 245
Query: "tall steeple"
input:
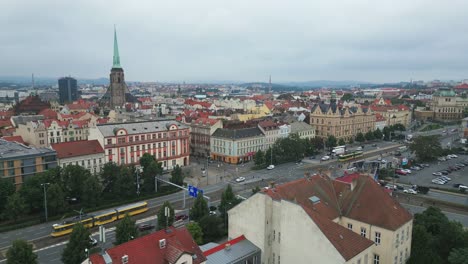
column 116, row 63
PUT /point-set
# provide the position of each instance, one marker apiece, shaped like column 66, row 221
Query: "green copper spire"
column 116, row 63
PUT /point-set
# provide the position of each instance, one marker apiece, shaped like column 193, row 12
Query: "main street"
column 39, row 234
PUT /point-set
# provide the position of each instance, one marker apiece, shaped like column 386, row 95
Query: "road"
column 282, row 173
column 451, row 216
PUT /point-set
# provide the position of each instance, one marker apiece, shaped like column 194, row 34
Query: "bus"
column 100, row 218
column 350, row 156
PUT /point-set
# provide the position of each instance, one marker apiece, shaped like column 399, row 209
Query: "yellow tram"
column 100, row 218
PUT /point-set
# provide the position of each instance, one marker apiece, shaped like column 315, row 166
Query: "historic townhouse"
column 201, row 130
column 351, row 219
column 273, row 131
column 125, row 143
column 341, row 122
column 393, row 114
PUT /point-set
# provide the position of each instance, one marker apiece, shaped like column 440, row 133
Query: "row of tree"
column 74, row 186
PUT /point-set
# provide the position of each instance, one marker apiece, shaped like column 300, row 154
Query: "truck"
column 339, row 150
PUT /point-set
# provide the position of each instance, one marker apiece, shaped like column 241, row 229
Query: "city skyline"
column 211, row 41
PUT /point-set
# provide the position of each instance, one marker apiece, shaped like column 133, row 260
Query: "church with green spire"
column 117, row 94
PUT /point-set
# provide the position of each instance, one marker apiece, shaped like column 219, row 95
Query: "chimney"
column 162, row 243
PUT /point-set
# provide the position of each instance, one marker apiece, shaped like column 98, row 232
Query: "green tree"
column 55, row 199
column 21, row 252
column 398, row 127
column 360, row 137
column 341, row 142
column 211, row 228
column 162, row 215
column 146, row 160
column 421, row 251
column 378, row 134
column 387, row 133
column 426, row 148
column 7, row 188
column 91, row 192
column 351, row 140
column 177, row 177
column 74, row 252
column 369, row 135
column 125, row 183
column 317, row 142
column 255, row 190
column 458, row 256
column 331, row 142
column 74, row 176
column 109, row 174
column 15, row 207
column 151, row 168
column 309, row 148
column 259, row 158
column 347, row 97
column 199, row 208
column 125, row 230
column 196, row 232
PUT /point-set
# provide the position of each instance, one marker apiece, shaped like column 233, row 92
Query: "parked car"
column 374, row 145
column 181, row 217
column 144, row 227
column 325, row 157
column 463, row 187
column 456, row 185
column 401, row 172
column 407, row 170
column 270, row 167
column 437, row 174
column 415, row 168
column 460, row 164
column 212, row 212
column 410, row 191
column 453, row 156
column 444, row 172
column 399, row 187
column 240, row 179
column 441, row 159
column 446, row 178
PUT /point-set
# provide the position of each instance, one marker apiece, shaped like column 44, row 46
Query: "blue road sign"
column 194, row 191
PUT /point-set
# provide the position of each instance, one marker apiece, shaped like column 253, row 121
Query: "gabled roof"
column 18, row 139
column 206, row 121
column 146, row 249
column 77, row 148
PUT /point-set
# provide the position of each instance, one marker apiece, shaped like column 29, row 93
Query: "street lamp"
column 45, row 198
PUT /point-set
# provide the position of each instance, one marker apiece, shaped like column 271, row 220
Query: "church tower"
column 117, row 88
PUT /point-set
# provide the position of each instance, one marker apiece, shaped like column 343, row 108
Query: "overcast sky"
column 240, row 40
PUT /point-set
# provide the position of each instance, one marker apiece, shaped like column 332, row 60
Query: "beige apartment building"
column 200, row 134
column 236, row 145
column 273, row 131
column 445, row 105
column 341, row 122
column 351, row 219
column 302, row 129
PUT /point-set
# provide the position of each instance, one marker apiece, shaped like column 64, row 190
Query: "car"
column 93, row 241
column 448, row 157
column 325, row 158
column 212, row 212
column 384, row 161
column 415, row 168
column 144, row 227
column 464, row 163
column 445, row 131
column 299, row 162
column 410, row 191
column 453, row 156
column 270, row 167
column 441, row 159
column 399, row 187
column 391, row 187
column 425, row 165
column 401, row 172
column 444, row 172
column 463, row 187
column 407, row 170
column 240, row 179
column 437, row 174
column 456, row 185
column 438, row 182
column 460, row 164
column 359, row 148
column 181, row 217
column 446, row 178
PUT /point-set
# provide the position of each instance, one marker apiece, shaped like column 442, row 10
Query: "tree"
column 426, row 148
column 146, row 160
column 15, row 207
column 369, row 135
column 125, row 230
column 55, row 199
column 255, row 190
column 199, row 208
column 341, row 142
column 317, row 143
column 74, row 252
column 378, row 134
column 210, row 226
column 73, row 177
column 309, row 147
column 360, row 137
column 151, row 168
column 331, row 142
column 387, row 133
column 7, row 188
column 21, row 252
column 347, row 97
column 196, row 232
column 162, row 215
column 421, row 252
column 458, row 256
column 91, row 192
column 259, row 158
column 351, row 140
column 177, row 176
column 109, row 174
column 398, row 127
column 124, row 184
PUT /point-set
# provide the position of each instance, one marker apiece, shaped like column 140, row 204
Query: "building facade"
column 341, row 122
column 236, row 145
column 447, row 106
column 303, row 130
column 68, row 90
column 125, row 143
column 393, row 114
column 88, row 154
column 19, row 162
column 325, row 220
column 200, row 134
column 273, row 131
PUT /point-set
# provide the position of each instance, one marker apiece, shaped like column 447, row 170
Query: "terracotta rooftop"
column 206, row 121
column 146, row 249
column 77, row 148
column 18, row 139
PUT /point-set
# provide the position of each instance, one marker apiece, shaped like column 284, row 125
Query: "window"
column 279, row 238
column 406, row 253
column 10, row 164
column 109, row 141
column 402, row 236
column 121, row 140
column 350, row 226
column 273, row 258
column 401, row 257
column 376, row 259
column 407, row 233
column 130, row 139
column 363, row 231
column 279, row 259
column 395, row 260
column 359, row 261
column 377, row 238
column 397, row 240
column 109, row 152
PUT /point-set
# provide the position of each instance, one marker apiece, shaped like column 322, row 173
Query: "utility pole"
column 206, row 169
column 45, row 198
column 138, row 180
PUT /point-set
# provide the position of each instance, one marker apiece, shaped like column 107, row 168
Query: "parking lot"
column 424, row 177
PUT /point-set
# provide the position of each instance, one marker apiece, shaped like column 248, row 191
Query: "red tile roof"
column 48, row 113
column 77, row 148
column 6, row 123
column 354, row 196
column 206, row 121
column 18, row 139
column 462, row 86
column 146, row 249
